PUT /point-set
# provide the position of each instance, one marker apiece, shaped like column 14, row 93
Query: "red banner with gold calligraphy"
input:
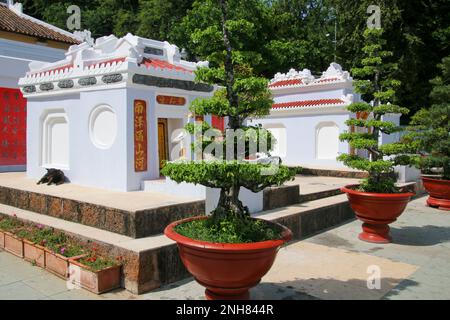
column 140, row 136
column 13, row 117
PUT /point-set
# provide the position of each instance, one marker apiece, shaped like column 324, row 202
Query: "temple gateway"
column 110, row 113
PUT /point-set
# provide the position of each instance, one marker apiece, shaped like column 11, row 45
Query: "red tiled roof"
column 12, row 22
column 156, row 63
column 307, row 103
column 286, row 83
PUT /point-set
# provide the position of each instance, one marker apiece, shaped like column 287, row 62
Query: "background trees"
column 283, row 34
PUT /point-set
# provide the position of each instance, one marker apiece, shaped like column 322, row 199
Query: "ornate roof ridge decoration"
column 294, row 78
column 110, row 55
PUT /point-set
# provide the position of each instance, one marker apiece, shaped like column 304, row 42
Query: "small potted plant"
column 12, row 242
column 228, row 252
column 58, row 250
column 429, row 135
column 95, row 273
column 377, row 201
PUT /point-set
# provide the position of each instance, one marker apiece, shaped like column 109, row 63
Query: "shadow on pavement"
column 420, row 236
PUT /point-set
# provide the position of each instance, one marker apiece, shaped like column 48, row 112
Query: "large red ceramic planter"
column 439, row 191
column 227, row 271
column 377, row 211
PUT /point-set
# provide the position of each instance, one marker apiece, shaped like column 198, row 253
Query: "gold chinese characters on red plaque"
column 171, row 100
column 140, row 136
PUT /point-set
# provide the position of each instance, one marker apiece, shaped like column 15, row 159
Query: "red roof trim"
column 41, row 73
column 161, row 64
column 283, row 83
column 307, row 103
column 108, row 61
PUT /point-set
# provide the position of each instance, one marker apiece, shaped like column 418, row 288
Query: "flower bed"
column 56, row 252
column 11, row 242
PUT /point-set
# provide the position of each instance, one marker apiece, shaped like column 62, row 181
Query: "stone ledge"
column 334, row 173
column 282, row 196
column 135, row 224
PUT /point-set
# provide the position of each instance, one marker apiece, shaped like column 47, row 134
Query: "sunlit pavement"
column 330, row 265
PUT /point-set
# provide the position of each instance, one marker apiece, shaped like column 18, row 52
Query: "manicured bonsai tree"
column 429, row 131
column 241, row 96
column 377, row 201
column 376, row 85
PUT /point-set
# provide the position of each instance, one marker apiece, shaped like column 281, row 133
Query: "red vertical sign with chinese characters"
column 13, row 117
column 140, row 136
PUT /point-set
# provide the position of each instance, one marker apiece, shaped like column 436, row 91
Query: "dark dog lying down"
column 53, row 176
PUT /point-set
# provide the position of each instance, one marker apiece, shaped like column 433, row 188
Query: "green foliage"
column 224, row 32
column 229, row 230
column 417, row 32
column 377, row 86
column 226, row 174
column 10, row 224
column 97, row 263
column 429, row 133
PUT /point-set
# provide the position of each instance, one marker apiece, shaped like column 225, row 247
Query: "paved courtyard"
column 331, row 265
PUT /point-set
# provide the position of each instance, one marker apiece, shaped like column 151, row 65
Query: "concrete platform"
column 332, row 265
column 314, row 187
column 153, row 261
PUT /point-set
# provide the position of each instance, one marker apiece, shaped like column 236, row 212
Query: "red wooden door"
column 13, row 117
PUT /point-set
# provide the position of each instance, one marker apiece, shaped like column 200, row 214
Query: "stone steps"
column 153, row 261
column 133, row 214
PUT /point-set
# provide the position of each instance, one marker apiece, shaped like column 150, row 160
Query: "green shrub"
column 375, row 84
column 429, row 131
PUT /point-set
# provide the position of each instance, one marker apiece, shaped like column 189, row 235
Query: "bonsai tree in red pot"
column 229, row 252
column 377, row 201
column 429, row 135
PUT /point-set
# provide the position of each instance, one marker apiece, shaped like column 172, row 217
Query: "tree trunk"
column 230, row 205
column 234, row 121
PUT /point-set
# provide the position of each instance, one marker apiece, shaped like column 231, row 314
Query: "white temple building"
column 108, row 114
column 309, row 114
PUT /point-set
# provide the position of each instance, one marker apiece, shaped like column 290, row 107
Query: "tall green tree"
column 242, row 95
column 416, row 31
column 377, row 86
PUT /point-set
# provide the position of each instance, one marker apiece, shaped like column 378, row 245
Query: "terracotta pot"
column 95, row 281
column 227, row 271
column 57, row 264
column 377, row 211
column 14, row 244
column 439, row 191
column 2, row 239
column 34, row 253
